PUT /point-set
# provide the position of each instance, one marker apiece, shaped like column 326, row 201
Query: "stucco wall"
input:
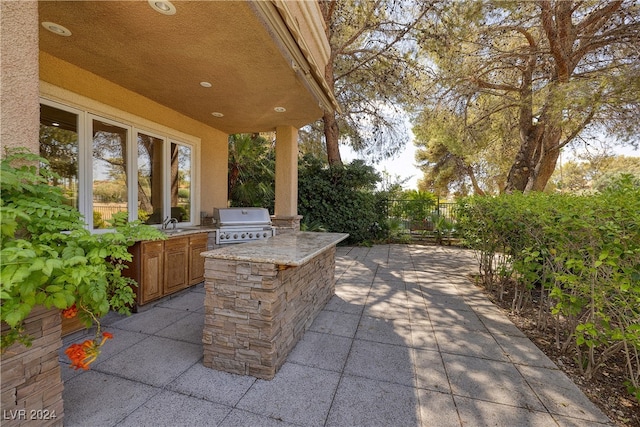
column 64, row 81
column 306, row 18
column 19, row 111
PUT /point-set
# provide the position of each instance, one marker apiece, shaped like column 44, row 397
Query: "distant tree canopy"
column 373, row 70
column 593, row 172
column 513, row 82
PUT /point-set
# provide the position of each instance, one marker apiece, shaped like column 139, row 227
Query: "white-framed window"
column 109, row 148
column 151, row 176
column 179, row 180
column 60, row 131
column 107, row 166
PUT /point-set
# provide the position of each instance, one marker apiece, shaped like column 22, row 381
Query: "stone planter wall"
column 31, row 379
column 256, row 312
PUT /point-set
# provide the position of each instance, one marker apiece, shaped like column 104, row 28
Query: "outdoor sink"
column 174, row 231
column 171, row 231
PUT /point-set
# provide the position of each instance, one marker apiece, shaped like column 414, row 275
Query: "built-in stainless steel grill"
column 237, row 225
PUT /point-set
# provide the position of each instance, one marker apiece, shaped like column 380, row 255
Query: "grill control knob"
column 235, row 236
column 242, row 235
column 227, row 236
column 264, row 234
column 251, row 235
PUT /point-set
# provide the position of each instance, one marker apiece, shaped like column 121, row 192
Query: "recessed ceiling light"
column 279, row 109
column 216, row 114
column 205, row 84
column 56, row 29
column 163, row 6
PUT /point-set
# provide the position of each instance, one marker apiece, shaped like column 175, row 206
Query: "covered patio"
column 157, row 77
column 407, row 340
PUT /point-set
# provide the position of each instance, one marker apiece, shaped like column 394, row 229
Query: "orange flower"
column 77, row 354
column 82, row 355
column 70, row 312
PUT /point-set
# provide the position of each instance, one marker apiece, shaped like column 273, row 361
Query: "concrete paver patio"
column 407, row 340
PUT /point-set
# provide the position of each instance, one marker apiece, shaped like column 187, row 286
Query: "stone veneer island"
column 261, row 296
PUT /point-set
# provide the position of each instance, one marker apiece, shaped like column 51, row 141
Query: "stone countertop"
column 186, row 231
column 292, row 249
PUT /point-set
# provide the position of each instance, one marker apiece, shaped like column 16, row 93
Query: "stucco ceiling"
column 165, row 57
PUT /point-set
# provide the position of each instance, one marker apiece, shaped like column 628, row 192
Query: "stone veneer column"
column 287, row 224
column 256, row 312
column 31, row 379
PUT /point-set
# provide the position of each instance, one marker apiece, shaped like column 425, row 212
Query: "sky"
column 403, row 164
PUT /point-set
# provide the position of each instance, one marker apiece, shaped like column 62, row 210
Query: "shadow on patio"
column 407, row 340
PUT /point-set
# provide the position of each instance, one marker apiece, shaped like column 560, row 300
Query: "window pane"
column 109, row 172
column 150, row 179
column 181, row 182
column 59, row 145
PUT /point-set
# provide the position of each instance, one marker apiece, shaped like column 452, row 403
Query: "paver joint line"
column 412, row 331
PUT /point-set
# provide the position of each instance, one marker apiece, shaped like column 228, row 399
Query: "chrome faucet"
column 167, row 221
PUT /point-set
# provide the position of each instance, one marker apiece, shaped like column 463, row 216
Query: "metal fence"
column 417, row 219
column 447, row 211
column 106, row 210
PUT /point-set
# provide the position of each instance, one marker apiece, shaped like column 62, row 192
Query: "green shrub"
column 442, row 227
column 341, row 199
column 419, row 205
column 251, row 171
column 49, row 258
column 98, row 222
column 581, row 255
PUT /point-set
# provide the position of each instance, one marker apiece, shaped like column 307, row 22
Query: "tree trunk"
column 545, row 164
column 175, row 179
column 570, row 39
column 536, row 160
column 518, row 176
column 331, row 130
column 474, row 182
column 545, row 169
column 331, row 133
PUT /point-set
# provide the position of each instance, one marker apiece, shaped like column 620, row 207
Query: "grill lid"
column 238, row 217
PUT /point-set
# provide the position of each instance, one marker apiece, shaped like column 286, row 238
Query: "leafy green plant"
column 419, row 204
column 251, row 171
column 442, row 227
column 581, row 257
column 397, row 232
column 341, row 198
column 315, row 226
column 48, row 257
column 414, row 208
column 98, row 222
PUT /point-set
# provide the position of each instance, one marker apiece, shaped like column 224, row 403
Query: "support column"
column 32, row 384
column 286, row 218
column 19, row 79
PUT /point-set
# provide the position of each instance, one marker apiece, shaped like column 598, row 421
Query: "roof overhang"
column 259, row 57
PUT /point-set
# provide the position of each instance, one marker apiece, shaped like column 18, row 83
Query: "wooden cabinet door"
column 150, row 283
column 176, row 264
column 197, row 244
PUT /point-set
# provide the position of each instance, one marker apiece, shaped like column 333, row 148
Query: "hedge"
column 578, row 255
